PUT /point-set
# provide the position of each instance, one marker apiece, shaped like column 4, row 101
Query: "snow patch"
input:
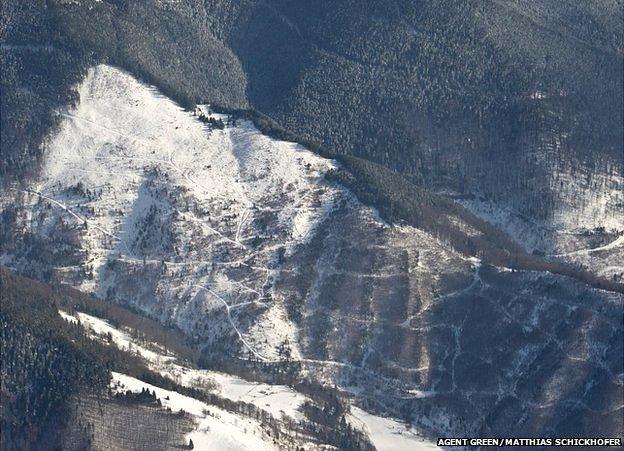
column 387, row 434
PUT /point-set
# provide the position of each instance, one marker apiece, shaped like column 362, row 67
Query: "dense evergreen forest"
column 45, row 360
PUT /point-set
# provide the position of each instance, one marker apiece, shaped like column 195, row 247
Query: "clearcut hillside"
column 498, row 99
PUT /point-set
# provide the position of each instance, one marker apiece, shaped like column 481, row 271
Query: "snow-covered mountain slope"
column 170, row 215
column 596, row 248
column 278, row 400
column 218, row 429
column 240, row 241
column 387, row 434
column 205, row 227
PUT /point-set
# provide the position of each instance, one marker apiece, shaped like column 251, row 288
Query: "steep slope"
column 159, row 193
column 58, row 390
column 262, row 258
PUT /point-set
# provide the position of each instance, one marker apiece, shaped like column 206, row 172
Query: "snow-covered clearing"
column 101, row 328
column 617, row 243
column 568, row 240
column 217, row 429
column 144, row 188
column 187, row 222
column 67, row 317
column 142, row 202
column 387, row 434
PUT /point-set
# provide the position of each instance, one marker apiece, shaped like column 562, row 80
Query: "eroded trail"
column 618, row 242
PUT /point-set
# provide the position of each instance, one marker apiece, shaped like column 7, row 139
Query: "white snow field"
column 566, row 241
column 143, row 203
